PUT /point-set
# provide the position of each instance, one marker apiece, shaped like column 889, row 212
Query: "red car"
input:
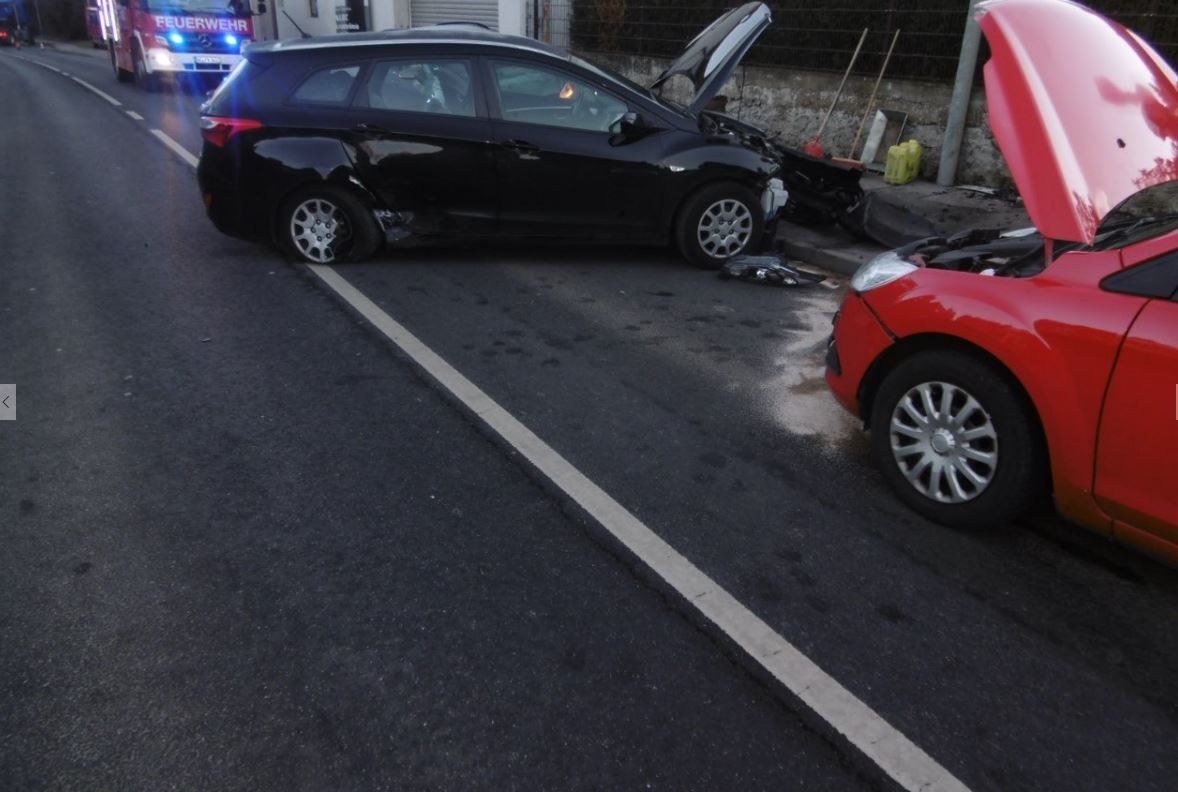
column 994, row 369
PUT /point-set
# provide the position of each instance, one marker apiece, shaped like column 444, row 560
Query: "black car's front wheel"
column 325, row 224
column 718, row 222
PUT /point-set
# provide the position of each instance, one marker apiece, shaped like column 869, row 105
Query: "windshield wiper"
column 1129, row 226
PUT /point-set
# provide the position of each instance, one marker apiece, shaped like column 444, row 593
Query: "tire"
column 122, row 75
column 1002, row 427
column 355, row 237
column 731, row 209
column 147, row 81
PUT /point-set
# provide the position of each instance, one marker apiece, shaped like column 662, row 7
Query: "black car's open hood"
column 711, row 56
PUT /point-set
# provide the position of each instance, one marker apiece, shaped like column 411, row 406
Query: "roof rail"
column 461, row 24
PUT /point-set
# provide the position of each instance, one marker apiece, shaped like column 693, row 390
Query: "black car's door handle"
column 520, row 146
column 371, row 129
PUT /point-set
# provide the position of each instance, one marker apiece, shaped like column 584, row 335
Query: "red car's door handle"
column 371, row 129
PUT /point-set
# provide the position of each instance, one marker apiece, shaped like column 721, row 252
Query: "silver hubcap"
column 944, row 442
column 317, row 227
column 725, row 228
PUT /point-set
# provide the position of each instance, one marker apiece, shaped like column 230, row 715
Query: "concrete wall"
column 792, row 103
column 322, row 23
column 513, row 17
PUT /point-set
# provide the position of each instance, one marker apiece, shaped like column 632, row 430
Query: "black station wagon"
column 331, row 147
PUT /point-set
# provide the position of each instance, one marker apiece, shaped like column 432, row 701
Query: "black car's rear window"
column 328, row 86
column 238, row 82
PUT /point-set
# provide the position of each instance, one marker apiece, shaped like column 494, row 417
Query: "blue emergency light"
column 175, row 38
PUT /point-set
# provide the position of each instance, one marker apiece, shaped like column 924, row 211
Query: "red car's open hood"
column 1085, row 112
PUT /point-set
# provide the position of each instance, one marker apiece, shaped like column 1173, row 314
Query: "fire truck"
column 94, row 25
column 154, row 40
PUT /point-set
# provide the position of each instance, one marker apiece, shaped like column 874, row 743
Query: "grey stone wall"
column 791, row 103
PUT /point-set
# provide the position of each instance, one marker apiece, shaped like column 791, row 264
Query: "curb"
column 828, row 248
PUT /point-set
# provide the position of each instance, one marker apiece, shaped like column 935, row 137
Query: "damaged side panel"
column 429, row 180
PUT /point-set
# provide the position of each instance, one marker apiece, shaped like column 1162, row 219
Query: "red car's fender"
column 1058, row 333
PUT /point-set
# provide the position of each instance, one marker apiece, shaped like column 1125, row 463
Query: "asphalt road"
column 244, row 544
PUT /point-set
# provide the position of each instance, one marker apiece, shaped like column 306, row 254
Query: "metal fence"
column 811, row 37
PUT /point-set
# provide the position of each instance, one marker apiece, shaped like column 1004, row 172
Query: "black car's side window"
column 329, row 86
column 537, row 95
column 420, row 86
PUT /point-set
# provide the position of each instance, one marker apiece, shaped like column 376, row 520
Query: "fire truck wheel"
column 122, row 75
column 324, row 223
column 147, row 81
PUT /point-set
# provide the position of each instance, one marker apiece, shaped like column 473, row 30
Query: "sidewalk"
column 74, row 47
column 949, row 209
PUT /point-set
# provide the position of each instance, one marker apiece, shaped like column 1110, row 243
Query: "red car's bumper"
column 858, row 340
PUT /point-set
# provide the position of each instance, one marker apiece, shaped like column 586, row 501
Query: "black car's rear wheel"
column 323, row 224
column 717, row 223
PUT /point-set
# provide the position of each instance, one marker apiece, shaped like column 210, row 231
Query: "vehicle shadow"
column 551, row 253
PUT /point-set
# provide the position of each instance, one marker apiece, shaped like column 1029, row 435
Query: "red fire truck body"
column 154, row 39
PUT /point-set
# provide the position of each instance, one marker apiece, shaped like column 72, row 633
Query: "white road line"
column 862, row 727
column 94, row 90
column 42, row 65
column 184, row 153
column 88, row 87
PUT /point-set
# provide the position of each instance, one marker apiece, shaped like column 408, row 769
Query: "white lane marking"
column 184, row 153
column 42, row 65
column 94, row 90
column 867, row 731
column 87, row 86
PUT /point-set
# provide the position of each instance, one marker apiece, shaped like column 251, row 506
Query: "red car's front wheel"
column 957, row 439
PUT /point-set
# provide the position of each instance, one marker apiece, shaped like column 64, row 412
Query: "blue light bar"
column 175, row 38
column 231, row 39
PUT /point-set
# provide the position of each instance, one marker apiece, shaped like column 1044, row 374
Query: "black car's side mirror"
column 630, row 126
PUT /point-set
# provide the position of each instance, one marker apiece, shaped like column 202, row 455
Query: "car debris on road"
column 770, row 270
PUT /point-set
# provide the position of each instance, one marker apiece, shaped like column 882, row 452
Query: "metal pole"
column 871, row 101
column 959, row 104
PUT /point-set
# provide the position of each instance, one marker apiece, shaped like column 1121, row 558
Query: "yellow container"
column 903, row 162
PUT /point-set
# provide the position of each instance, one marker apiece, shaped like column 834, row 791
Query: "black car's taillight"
column 218, row 129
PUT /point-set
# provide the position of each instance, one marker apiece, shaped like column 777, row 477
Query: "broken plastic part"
column 771, row 270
